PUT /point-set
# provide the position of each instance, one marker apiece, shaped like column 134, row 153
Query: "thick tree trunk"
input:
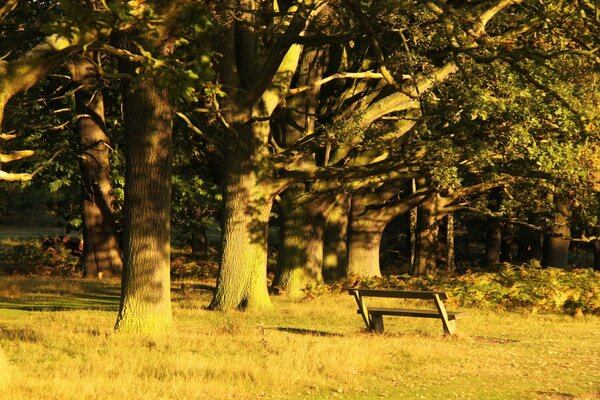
column 427, row 236
column 101, row 251
column 556, row 244
column 364, row 239
column 335, row 246
column 300, row 261
column 146, row 287
column 247, row 201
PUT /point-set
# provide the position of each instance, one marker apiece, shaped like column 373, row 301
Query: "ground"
column 57, row 338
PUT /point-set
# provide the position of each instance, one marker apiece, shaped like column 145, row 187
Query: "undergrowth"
column 524, row 287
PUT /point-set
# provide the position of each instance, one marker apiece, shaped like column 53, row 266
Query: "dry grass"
column 311, row 350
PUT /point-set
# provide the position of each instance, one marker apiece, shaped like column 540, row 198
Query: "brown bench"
column 373, row 316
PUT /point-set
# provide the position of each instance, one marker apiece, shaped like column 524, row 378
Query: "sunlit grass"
column 312, row 350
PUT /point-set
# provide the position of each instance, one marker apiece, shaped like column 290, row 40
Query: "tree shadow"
column 85, row 296
column 311, row 332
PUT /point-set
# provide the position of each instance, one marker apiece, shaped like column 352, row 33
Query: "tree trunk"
column 199, row 242
column 247, row 201
column 146, row 287
column 508, row 236
column 101, row 251
column 412, row 226
column 427, row 236
column 300, row 262
column 493, row 243
column 493, row 237
column 335, row 246
column 596, row 247
column 364, row 239
column 450, row 260
column 556, row 244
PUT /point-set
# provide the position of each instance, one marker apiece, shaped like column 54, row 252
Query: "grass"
column 57, row 339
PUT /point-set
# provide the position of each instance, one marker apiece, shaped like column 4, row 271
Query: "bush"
column 55, row 255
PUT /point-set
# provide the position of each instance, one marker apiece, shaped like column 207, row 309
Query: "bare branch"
column 16, row 155
column 7, row 8
column 342, row 75
column 14, row 177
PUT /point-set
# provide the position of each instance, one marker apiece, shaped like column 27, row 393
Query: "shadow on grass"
column 49, row 296
column 17, row 334
column 310, row 332
column 79, row 301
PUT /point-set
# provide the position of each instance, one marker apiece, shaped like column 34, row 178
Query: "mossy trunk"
column 146, row 287
column 300, row 262
column 101, row 251
column 335, row 245
column 247, row 201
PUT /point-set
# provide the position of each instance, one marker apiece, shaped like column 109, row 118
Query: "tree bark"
column 412, row 226
column 427, row 236
column 364, row 238
column 596, row 247
column 493, row 243
column 450, row 260
column 493, row 237
column 508, row 236
column 556, row 244
column 300, row 262
column 335, row 246
column 199, row 242
column 101, row 251
column 247, row 201
column 146, row 284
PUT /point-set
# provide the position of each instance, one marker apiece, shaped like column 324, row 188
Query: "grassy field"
column 56, row 336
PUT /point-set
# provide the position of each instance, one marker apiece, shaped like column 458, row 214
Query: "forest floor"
column 58, row 343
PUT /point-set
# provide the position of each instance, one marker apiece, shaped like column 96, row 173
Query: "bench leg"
column 377, row 323
column 449, row 326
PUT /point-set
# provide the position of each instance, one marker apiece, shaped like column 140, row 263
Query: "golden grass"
column 310, row 350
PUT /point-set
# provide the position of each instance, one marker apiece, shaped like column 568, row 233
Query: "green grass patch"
column 315, row 349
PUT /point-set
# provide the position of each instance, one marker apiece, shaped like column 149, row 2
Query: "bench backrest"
column 401, row 294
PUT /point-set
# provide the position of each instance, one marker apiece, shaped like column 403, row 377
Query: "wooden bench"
column 373, row 316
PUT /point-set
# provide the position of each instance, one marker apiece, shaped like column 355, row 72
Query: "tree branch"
column 16, row 155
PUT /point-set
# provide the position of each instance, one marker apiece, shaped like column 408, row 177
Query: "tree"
column 148, row 96
column 102, row 251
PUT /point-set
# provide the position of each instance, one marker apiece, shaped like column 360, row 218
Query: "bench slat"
column 401, row 294
column 405, row 312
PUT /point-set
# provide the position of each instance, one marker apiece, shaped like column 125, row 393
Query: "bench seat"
column 373, row 316
column 407, row 312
